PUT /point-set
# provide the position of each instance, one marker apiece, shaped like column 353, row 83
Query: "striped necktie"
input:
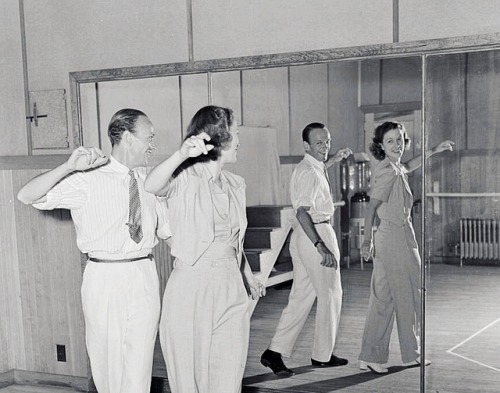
column 134, row 210
column 328, row 180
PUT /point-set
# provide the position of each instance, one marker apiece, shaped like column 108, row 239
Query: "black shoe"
column 333, row 362
column 274, row 361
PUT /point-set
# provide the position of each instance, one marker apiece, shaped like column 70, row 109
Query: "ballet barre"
column 462, row 194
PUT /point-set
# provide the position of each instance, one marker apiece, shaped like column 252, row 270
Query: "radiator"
column 479, row 239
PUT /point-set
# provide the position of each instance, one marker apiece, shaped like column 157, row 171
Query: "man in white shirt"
column 117, row 223
column 315, row 256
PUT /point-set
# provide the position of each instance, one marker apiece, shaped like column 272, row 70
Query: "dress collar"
column 400, row 169
column 209, row 175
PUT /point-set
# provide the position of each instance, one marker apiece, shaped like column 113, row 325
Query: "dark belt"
column 149, row 256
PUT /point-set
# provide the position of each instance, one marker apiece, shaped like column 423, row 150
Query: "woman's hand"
column 257, row 289
column 443, row 146
column 195, row 146
column 367, row 250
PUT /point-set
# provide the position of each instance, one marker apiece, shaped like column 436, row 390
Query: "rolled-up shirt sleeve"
column 305, row 190
column 383, row 183
column 70, row 193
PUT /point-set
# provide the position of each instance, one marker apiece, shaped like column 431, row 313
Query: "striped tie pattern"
column 134, row 210
column 328, row 180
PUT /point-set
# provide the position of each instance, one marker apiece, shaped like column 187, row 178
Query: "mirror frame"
column 398, row 49
column 421, row 48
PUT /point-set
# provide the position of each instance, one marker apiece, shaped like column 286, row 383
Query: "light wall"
column 428, row 19
column 67, row 36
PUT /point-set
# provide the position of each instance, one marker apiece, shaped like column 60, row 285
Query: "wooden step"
column 266, row 243
column 258, row 237
column 277, row 278
column 253, row 256
column 265, row 215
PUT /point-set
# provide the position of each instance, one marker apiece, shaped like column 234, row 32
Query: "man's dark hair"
column 123, row 120
column 312, row 126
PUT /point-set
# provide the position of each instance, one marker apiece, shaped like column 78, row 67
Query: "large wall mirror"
column 456, row 211
column 462, row 222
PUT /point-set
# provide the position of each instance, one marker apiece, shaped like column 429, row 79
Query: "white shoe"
column 376, row 368
column 417, row 362
column 362, row 365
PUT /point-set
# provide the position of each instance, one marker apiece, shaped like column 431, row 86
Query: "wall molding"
column 397, row 49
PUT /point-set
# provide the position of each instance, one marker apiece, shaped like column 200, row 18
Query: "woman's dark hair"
column 123, row 120
column 378, row 138
column 215, row 121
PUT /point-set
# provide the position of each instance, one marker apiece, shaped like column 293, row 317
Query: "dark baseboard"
column 34, row 378
column 7, row 378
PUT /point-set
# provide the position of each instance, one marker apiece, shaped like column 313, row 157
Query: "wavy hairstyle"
column 378, row 138
column 215, row 121
column 123, row 120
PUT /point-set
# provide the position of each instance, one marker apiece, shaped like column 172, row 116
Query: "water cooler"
column 354, row 185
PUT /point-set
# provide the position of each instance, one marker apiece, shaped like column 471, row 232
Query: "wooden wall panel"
column 194, row 95
column 12, row 104
column 308, row 101
column 50, row 280
column 109, row 35
column 11, row 322
column 256, row 27
column 265, row 103
column 226, row 91
column 345, row 119
column 483, row 103
column 159, row 98
column 40, row 280
column 462, row 105
column 445, row 119
column 461, row 172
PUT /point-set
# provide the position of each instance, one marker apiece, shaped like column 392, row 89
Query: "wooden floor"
column 463, row 340
column 460, row 303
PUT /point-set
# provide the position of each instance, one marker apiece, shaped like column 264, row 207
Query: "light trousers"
column 121, row 306
column 395, row 292
column 311, row 281
column 204, row 327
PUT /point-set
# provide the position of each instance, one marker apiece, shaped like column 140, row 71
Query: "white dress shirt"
column 309, row 187
column 99, row 204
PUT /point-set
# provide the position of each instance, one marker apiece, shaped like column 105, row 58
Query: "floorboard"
column 463, row 340
column 462, row 305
